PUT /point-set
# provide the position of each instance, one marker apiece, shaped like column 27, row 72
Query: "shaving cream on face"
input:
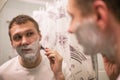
column 93, row 40
column 29, row 52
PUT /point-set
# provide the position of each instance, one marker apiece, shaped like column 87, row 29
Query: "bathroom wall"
column 102, row 74
column 2, row 3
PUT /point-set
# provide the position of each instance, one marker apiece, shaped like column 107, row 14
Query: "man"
column 31, row 63
column 96, row 24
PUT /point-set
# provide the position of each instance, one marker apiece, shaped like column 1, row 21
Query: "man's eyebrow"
column 22, row 32
column 28, row 30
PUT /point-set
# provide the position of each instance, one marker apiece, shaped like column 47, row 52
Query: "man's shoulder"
column 7, row 64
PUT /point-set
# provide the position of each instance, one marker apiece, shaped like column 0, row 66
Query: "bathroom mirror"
column 53, row 21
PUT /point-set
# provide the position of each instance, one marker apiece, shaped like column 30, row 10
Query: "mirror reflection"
column 53, row 21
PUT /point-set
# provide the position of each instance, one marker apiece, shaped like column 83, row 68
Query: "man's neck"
column 28, row 64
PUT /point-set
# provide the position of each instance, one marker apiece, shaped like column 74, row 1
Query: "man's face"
column 75, row 15
column 88, row 33
column 25, row 39
column 117, row 34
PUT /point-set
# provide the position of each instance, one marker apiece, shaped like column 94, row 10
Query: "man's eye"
column 17, row 37
column 29, row 34
column 71, row 15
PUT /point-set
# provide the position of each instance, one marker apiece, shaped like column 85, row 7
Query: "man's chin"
column 30, row 57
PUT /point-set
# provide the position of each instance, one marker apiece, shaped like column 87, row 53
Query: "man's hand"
column 111, row 68
column 55, row 63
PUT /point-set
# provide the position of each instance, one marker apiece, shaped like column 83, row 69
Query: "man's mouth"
column 26, row 50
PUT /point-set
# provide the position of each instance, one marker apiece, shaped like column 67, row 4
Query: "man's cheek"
column 19, row 51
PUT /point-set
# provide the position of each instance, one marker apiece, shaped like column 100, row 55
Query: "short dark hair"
column 114, row 7
column 22, row 19
column 87, row 7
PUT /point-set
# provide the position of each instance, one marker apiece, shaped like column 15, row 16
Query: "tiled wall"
column 102, row 74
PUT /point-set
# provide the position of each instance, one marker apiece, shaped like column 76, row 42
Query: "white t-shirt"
column 12, row 70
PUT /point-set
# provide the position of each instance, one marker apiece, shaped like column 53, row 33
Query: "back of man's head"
column 114, row 7
column 86, row 6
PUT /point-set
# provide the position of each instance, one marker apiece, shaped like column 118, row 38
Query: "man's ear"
column 101, row 11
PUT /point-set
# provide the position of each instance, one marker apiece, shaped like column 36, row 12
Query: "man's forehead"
column 20, row 31
column 21, row 28
column 71, row 5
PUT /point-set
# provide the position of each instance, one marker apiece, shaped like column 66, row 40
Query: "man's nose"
column 71, row 29
column 24, row 41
